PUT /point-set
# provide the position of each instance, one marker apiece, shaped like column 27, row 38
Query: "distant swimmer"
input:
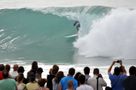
column 77, row 25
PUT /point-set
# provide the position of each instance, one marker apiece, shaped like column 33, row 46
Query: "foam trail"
column 112, row 36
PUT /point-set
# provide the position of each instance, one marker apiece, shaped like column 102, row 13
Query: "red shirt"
column 1, row 76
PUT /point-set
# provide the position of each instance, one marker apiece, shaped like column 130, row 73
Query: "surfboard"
column 70, row 36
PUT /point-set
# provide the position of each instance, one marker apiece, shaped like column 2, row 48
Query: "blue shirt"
column 64, row 82
column 117, row 81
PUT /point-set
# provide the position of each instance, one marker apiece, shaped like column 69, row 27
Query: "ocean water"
column 31, row 30
column 41, row 34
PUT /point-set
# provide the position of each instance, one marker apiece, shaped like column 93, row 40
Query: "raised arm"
column 122, row 68
column 109, row 70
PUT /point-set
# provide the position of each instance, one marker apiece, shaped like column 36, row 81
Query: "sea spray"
column 111, row 36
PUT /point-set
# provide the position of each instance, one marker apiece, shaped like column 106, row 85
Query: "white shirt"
column 84, row 87
column 13, row 74
column 93, row 82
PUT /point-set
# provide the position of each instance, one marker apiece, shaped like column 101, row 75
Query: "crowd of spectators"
column 56, row 80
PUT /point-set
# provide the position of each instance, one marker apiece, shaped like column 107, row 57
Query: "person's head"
column 116, row 71
column 59, row 76
column 55, row 69
column 81, row 79
column 132, row 70
column 20, row 69
column 71, row 71
column 7, row 67
column 42, row 82
column 50, row 71
column 96, row 71
column 2, row 67
column 15, row 67
column 34, row 65
column 39, row 70
column 77, row 75
column 86, row 70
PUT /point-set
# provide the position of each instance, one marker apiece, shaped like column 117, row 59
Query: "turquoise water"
column 32, row 35
column 27, row 34
column 42, row 34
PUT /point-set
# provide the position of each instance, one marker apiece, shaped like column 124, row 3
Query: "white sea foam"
column 64, row 3
column 112, row 36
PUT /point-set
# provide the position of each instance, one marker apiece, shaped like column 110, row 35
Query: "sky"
column 65, row 3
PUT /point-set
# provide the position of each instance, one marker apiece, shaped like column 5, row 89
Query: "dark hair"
column 77, row 75
column 86, row 70
column 41, row 82
column 116, row 71
column 132, row 70
column 7, row 67
column 71, row 71
column 59, row 76
column 5, row 74
column 1, row 67
column 55, row 69
column 39, row 70
column 34, row 66
column 81, row 79
column 20, row 77
column 31, row 77
column 96, row 71
column 21, row 69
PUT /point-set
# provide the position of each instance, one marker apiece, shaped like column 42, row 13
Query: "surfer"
column 77, row 25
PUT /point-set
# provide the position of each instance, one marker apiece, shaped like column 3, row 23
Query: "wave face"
column 31, row 35
column 41, row 34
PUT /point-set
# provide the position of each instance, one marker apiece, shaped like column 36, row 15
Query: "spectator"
column 86, row 73
column 82, row 85
column 56, row 80
column 20, row 83
column 14, row 73
column 39, row 73
column 117, row 77
column 97, row 81
column 76, row 76
column 51, row 75
column 130, row 82
column 21, row 71
column 32, row 84
column 1, row 70
column 33, row 69
column 64, row 81
column 7, row 68
column 41, row 83
column 7, row 83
